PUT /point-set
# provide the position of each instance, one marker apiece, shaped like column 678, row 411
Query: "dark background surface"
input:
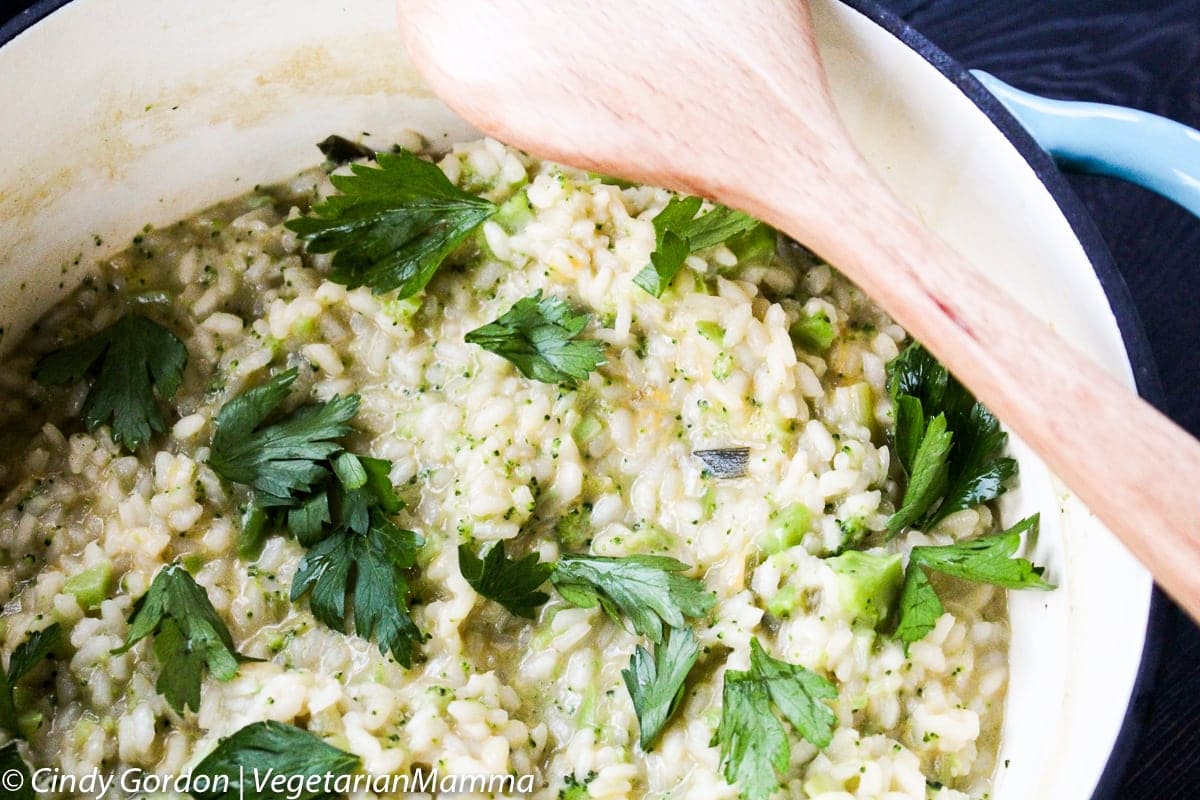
column 1145, row 55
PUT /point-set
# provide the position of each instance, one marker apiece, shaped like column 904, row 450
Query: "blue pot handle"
column 1146, row 149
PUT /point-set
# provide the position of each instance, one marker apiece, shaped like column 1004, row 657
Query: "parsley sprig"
column 189, row 637
column 948, row 443
column 11, row 763
column 512, row 583
column 286, row 458
column 138, row 359
column 656, row 683
column 38, row 646
column 753, row 740
column 237, row 766
column 333, row 502
column 368, row 564
column 541, row 337
column 650, row 593
column 987, row 559
column 393, row 225
column 678, row 233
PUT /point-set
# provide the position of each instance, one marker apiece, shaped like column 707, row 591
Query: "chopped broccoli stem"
column 786, row 529
column 91, row 586
column 814, row 332
column 868, row 585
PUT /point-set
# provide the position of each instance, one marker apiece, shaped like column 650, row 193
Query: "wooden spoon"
column 728, row 100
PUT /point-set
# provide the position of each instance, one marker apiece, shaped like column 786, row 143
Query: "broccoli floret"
column 574, row 529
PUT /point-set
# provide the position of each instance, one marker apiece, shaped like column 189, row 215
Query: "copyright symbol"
column 12, row 780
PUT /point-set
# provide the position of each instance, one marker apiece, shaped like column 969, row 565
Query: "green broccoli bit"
column 587, row 429
column 91, row 586
column 784, row 602
column 515, row 212
column 574, row 529
column 814, row 332
column 868, row 585
column 786, row 529
column 575, row 789
column 854, row 531
column 711, row 331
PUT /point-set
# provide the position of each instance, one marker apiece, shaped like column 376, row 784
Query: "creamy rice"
column 482, row 454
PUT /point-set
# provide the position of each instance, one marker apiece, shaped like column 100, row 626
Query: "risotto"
column 592, row 487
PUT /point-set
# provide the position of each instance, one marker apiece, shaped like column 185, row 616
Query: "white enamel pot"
column 118, row 114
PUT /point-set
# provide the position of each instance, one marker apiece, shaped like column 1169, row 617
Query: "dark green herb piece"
column 987, row 559
column 38, row 646
column 512, row 583
column 949, row 444
column 649, row 591
column 796, row 693
column 928, row 475
column 363, row 486
column 678, row 233
column 655, row 683
column 11, row 764
column 920, row 607
column 753, row 740
column 256, row 525
column 138, row 359
column 236, row 768
column 540, row 336
column 393, row 225
column 339, row 150
column 370, row 567
column 284, row 458
column 189, row 637
column 725, row 462
column 754, row 743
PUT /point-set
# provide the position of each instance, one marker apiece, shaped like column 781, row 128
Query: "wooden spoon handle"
column 1134, row 468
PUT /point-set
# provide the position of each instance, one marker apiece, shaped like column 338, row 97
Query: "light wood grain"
column 728, row 100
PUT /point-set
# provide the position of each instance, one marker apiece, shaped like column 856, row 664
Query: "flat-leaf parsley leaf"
column 238, row 767
column 649, row 591
column 286, row 457
column 678, row 233
column 540, row 336
column 754, row 742
column 11, row 764
column 138, row 358
column 189, row 636
column 655, row 683
column 393, row 225
column 513, row 583
column 369, row 567
column 949, row 444
column 24, row 658
column 987, row 559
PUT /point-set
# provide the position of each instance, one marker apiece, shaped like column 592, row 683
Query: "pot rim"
column 1129, row 324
